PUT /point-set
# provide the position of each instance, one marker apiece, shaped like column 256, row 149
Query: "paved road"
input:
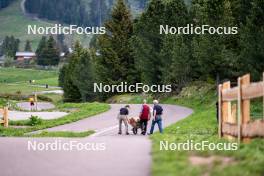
column 18, row 115
column 123, row 155
column 40, row 106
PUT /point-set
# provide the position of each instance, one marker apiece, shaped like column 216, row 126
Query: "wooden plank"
column 226, row 106
column 230, row 94
column 254, row 90
column 239, row 107
column 220, row 87
column 245, row 81
column 5, row 115
column 227, row 111
column 2, row 121
column 249, row 130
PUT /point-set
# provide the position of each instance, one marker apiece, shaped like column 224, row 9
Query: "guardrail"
column 234, row 121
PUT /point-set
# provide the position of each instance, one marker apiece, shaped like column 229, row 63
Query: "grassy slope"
column 13, row 22
column 202, row 126
column 12, row 75
column 16, row 80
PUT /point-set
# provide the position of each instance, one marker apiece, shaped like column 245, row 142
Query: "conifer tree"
column 48, row 53
column 116, row 63
column 27, row 46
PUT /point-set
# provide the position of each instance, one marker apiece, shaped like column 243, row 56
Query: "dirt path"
column 124, row 155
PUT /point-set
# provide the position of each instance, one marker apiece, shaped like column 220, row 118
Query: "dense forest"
column 79, row 12
column 144, row 55
column 5, row 3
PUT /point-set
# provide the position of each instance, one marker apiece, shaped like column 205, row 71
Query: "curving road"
column 123, row 155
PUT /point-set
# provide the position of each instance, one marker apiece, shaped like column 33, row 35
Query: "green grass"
column 23, row 89
column 202, row 126
column 50, row 81
column 16, row 80
column 65, row 134
column 12, row 75
column 2, row 102
column 130, row 99
column 81, row 111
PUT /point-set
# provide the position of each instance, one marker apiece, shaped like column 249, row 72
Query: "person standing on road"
column 144, row 117
column 157, row 117
column 122, row 117
column 31, row 103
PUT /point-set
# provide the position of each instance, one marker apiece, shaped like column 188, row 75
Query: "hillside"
column 14, row 22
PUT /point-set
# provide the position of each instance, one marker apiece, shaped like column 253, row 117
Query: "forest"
column 78, row 12
column 143, row 55
column 5, row 3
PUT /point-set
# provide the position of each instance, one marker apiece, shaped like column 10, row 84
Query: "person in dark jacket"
column 157, row 117
column 122, row 117
column 144, row 117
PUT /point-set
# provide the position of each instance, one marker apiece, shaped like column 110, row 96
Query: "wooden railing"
column 4, row 112
column 234, row 121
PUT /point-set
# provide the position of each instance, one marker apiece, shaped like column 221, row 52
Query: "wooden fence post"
column 239, row 107
column 220, row 88
column 5, row 116
column 245, row 109
column 227, row 110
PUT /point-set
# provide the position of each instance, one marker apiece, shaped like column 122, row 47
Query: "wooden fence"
column 4, row 112
column 234, row 120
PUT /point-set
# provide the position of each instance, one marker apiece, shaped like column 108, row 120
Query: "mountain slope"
column 14, row 22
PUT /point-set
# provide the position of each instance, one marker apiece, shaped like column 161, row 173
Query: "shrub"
column 35, row 120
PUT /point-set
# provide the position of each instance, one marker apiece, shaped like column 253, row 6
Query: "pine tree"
column 252, row 41
column 78, row 76
column 83, row 72
column 10, row 46
column 39, row 51
column 214, row 53
column 48, row 54
column 27, row 46
column 116, row 60
column 175, row 51
column 147, row 43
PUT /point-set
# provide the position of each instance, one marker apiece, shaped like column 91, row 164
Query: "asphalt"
column 122, row 155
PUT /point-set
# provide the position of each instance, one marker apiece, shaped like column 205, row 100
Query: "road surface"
column 123, row 155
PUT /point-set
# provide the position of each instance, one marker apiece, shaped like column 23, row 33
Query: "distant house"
column 25, row 56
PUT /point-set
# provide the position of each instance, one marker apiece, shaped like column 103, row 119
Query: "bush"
column 35, row 120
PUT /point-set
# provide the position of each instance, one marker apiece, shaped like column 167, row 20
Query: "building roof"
column 25, row 54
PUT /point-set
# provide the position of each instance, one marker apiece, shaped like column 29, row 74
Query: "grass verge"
column 248, row 160
column 78, row 111
column 65, row 134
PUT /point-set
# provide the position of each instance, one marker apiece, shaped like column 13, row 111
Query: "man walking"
column 144, row 117
column 122, row 117
column 157, row 117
